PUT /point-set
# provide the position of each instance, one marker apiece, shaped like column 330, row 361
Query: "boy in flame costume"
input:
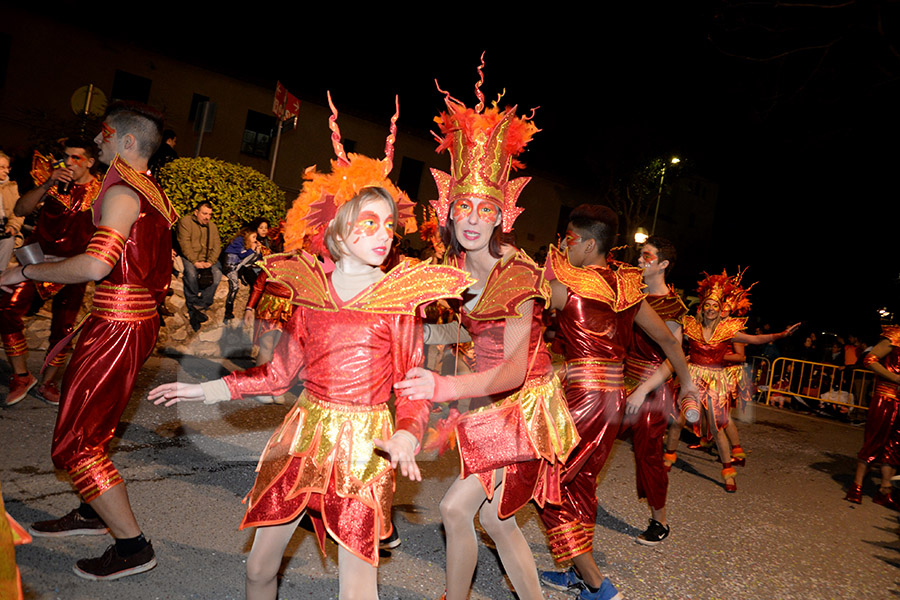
column 709, row 341
column 882, row 437
column 654, row 397
column 64, row 228
column 130, row 257
column 353, row 333
column 598, row 304
column 517, row 434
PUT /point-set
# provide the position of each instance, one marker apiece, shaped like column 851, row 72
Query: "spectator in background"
column 10, row 224
column 199, row 241
column 165, row 154
column 243, row 250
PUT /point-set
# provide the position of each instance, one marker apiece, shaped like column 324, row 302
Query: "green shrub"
column 238, row 193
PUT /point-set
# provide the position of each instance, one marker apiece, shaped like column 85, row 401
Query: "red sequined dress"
column 718, row 384
column 595, row 331
column 350, row 354
column 527, row 431
column 882, row 437
column 648, row 427
column 116, row 338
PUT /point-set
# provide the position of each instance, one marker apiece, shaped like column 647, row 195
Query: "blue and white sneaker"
column 607, row 591
column 564, row 581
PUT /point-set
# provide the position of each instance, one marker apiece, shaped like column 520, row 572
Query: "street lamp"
column 640, row 235
column 675, row 160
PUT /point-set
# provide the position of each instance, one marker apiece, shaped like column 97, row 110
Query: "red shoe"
column 49, row 393
column 886, row 500
column 738, row 456
column 728, row 474
column 19, row 385
column 854, row 494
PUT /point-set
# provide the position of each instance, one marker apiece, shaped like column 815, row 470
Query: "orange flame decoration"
column 483, row 145
column 324, row 193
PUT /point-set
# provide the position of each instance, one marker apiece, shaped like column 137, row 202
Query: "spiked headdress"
column 324, row 193
column 483, row 145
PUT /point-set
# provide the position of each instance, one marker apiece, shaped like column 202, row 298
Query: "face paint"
column 107, row 132
column 366, row 225
column 571, row 239
column 648, row 257
column 487, row 212
column 461, row 210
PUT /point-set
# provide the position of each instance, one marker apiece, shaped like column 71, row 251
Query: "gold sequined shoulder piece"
column 590, row 283
column 513, row 280
column 692, row 329
column 892, row 334
column 119, row 170
column 668, row 307
column 411, row 284
column 303, row 275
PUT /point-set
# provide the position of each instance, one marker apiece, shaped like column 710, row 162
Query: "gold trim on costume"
column 513, row 280
column 588, row 283
column 725, row 330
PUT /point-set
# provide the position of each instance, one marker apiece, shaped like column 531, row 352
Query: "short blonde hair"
column 347, row 214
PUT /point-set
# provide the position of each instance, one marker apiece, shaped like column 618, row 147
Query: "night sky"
column 791, row 109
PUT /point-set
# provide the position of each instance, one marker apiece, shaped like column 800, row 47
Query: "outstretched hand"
column 420, row 384
column 401, row 450
column 177, row 391
column 791, row 329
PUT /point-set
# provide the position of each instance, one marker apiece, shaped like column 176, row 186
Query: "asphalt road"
column 787, row 532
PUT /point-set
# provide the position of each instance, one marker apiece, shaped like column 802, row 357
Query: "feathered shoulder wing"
column 410, row 284
column 514, row 279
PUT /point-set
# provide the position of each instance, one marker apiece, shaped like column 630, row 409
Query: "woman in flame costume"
column 513, row 445
column 882, row 438
column 709, row 341
column 353, row 333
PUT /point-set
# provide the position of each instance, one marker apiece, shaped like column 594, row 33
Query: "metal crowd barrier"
column 820, row 382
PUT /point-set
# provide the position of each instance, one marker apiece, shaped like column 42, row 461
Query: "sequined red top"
column 349, row 357
column 710, row 353
column 64, row 226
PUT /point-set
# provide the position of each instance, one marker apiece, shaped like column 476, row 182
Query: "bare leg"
column 359, row 579
column 887, row 471
column 515, row 554
column 732, row 433
column 18, row 363
column 588, row 570
column 658, row 515
column 264, row 561
column 723, row 446
column 115, row 510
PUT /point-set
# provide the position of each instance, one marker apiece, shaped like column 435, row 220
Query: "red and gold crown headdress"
column 714, row 287
column 324, row 193
column 738, row 300
column 483, row 145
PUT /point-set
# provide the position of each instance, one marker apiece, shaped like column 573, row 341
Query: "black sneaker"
column 111, row 566
column 654, row 534
column 71, row 524
column 392, row 541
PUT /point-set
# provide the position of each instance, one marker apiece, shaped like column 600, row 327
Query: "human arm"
column 215, row 244
column 508, row 375
column 662, row 373
column 26, row 204
column 558, row 295
column 445, row 333
column 873, row 358
column 649, row 321
column 121, row 208
column 756, row 340
column 738, row 356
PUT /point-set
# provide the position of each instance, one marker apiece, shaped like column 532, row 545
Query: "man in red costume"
column 64, row 228
column 651, row 402
column 598, row 304
column 882, row 438
column 130, row 257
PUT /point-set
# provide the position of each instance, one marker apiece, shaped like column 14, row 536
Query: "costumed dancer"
column 353, row 333
column 737, row 303
column 709, row 340
column 598, row 304
column 882, row 437
column 64, row 229
column 11, row 534
column 512, row 445
column 655, row 408
column 130, row 257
